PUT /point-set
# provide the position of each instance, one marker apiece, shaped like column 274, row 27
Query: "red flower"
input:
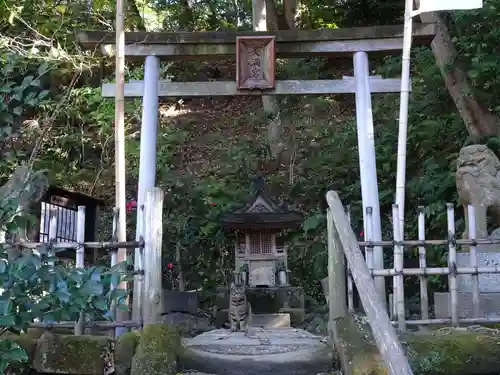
column 213, row 204
column 130, row 205
column 170, row 266
column 361, row 234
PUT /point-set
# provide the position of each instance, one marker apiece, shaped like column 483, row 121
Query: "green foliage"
column 10, row 352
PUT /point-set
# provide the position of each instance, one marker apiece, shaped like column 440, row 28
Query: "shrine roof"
column 262, row 212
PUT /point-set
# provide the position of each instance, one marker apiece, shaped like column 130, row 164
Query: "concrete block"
column 489, row 305
column 488, row 283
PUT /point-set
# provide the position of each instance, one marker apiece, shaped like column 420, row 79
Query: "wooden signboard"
column 255, row 62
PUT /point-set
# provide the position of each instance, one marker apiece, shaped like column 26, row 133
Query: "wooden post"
column 336, row 276
column 383, row 331
column 452, row 263
column 80, row 257
column 153, row 291
column 350, row 287
column 52, row 229
column 139, row 266
column 422, row 262
column 471, row 215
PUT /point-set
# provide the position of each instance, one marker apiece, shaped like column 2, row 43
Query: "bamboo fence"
column 398, row 272
column 149, row 309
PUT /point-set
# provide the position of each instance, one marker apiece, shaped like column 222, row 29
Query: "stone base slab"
column 284, row 351
column 271, row 320
column 489, row 305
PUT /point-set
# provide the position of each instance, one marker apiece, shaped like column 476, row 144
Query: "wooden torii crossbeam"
column 221, row 88
column 289, row 43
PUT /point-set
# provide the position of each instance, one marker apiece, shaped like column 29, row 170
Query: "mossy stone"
column 68, row 354
column 153, row 364
column 452, row 352
column 124, row 352
column 157, row 351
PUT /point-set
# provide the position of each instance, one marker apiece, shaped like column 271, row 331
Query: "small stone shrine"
column 261, row 261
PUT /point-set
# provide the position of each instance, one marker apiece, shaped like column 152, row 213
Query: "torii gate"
column 356, row 42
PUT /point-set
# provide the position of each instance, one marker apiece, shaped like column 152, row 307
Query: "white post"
column 52, row 230
column 403, row 117
column 147, row 166
column 367, row 162
column 114, row 261
column 80, row 257
column 153, row 295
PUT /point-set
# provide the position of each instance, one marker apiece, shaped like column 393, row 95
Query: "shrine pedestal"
column 273, row 300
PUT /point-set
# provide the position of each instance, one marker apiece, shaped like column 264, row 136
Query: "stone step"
column 280, row 320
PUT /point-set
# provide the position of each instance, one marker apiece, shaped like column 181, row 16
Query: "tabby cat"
column 239, row 309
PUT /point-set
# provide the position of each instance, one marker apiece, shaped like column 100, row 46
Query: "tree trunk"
column 291, row 8
column 478, row 120
column 264, row 14
column 134, row 15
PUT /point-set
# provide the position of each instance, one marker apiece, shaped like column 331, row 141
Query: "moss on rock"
column 157, row 351
column 124, row 352
column 67, row 354
column 452, row 352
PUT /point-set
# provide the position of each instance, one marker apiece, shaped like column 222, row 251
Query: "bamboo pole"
column 350, row 286
column 114, row 260
column 127, row 323
column 436, row 271
column 106, row 245
column 399, row 293
column 403, row 116
column 80, row 258
column 120, row 143
column 445, row 321
column 452, row 263
column 471, row 216
column 422, row 262
column 369, row 237
column 139, row 266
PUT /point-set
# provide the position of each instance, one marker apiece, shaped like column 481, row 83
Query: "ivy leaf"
column 312, row 222
column 27, row 81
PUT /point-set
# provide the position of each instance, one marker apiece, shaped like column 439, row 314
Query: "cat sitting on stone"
column 239, row 308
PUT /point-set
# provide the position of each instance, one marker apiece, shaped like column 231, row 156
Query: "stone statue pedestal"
column 489, row 288
column 488, row 283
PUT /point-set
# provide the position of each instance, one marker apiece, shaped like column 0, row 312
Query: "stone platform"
column 284, row 351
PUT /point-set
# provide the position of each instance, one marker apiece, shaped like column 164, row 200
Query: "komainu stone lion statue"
column 478, row 184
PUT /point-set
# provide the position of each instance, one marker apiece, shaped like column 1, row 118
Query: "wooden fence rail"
column 148, row 248
column 385, row 336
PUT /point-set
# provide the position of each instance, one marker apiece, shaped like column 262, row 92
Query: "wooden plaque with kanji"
column 255, row 62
